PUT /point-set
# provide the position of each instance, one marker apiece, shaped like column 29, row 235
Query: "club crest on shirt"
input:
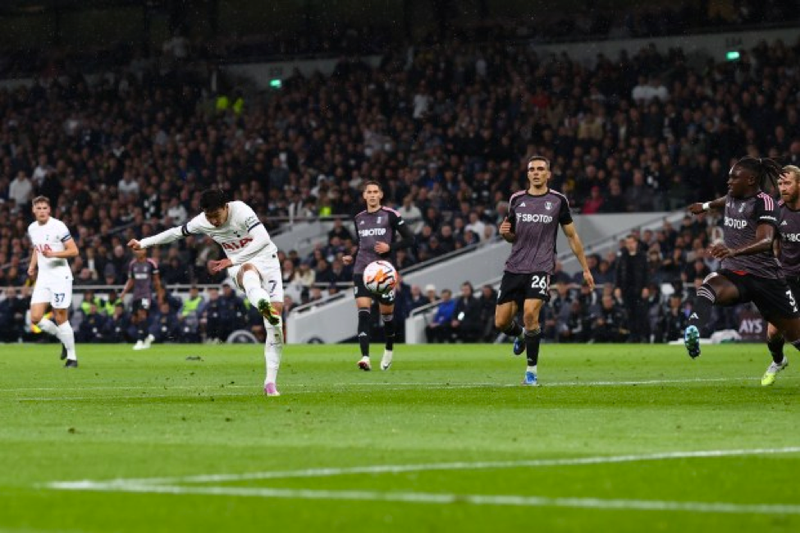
column 548, row 205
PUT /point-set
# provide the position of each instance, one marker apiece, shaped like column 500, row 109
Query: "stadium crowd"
column 444, row 128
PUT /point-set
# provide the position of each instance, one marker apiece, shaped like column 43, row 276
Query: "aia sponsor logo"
column 237, row 245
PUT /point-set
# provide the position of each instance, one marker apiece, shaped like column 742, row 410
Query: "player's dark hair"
column 373, row 182
column 212, row 199
column 540, row 158
column 40, row 199
column 763, row 168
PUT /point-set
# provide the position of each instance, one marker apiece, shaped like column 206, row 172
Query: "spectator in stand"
column 165, row 326
column 488, row 303
column 305, row 276
column 466, row 324
column 211, row 318
column 652, row 307
column 339, row 231
column 631, row 277
column 341, row 275
column 322, row 273
column 92, row 328
column 558, row 310
column 639, row 196
column 288, row 272
column 610, row 324
column 578, row 326
column 439, row 329
column 416, row 298
column 117, row 325
column 232, row 310
column 476, row 225
column 604, row 273
column 673, row 320
column 21, row 189
column 12, row 315
column 594, row 204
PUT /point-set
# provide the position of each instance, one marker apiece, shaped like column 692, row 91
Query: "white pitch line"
column 445, row 498
column 485, row 465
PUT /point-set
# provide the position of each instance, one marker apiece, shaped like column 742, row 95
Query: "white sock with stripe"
column 273, row 350
column 48, row 326
column 67, row 336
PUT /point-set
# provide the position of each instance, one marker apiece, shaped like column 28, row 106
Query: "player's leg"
column 533, row 337
column 40, row 302
column 775, row 344
column 776, row 302
column 251, row 280
column 775, row 338
column 364, row 306
column 268, row 297
column 716, row 289
column 389, row 329
column 507, row 307
column 61, row 302
column 505, row 322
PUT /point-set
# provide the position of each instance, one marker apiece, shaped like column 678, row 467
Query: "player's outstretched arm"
column 701, row 207
column 165, row 237
column 576, row 245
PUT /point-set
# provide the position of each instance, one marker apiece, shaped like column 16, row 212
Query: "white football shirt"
column 242, row 236
column 52, row 235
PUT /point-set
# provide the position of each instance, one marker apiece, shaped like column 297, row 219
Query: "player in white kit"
column 252, row 262
column 52, row 246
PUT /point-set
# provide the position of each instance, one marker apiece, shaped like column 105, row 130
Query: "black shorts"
column 521, row 287
column 142, row 303
column 794, row 285
column 360, row 291
column 773, row 297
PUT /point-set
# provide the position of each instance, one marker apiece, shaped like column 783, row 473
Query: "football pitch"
column 181, row 438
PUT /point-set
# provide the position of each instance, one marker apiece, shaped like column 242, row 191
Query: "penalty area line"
column 440, row 498
column 430, row 467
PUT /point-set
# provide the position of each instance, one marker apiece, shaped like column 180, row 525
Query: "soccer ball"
column 380, row 277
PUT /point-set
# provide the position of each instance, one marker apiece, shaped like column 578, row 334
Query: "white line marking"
column 445, row 498
column 396, row 469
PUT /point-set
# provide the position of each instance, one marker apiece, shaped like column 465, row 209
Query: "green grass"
column 131, row 416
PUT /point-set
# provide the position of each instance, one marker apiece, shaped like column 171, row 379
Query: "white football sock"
column 48, row 326
column 67, row 336
column 251, row 282
column 273, row 349
column 532, row 369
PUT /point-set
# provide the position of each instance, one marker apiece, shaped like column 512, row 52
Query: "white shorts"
column 271, row 278
column 57, row 293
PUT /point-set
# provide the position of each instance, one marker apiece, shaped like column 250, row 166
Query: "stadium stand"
column 444, row 126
